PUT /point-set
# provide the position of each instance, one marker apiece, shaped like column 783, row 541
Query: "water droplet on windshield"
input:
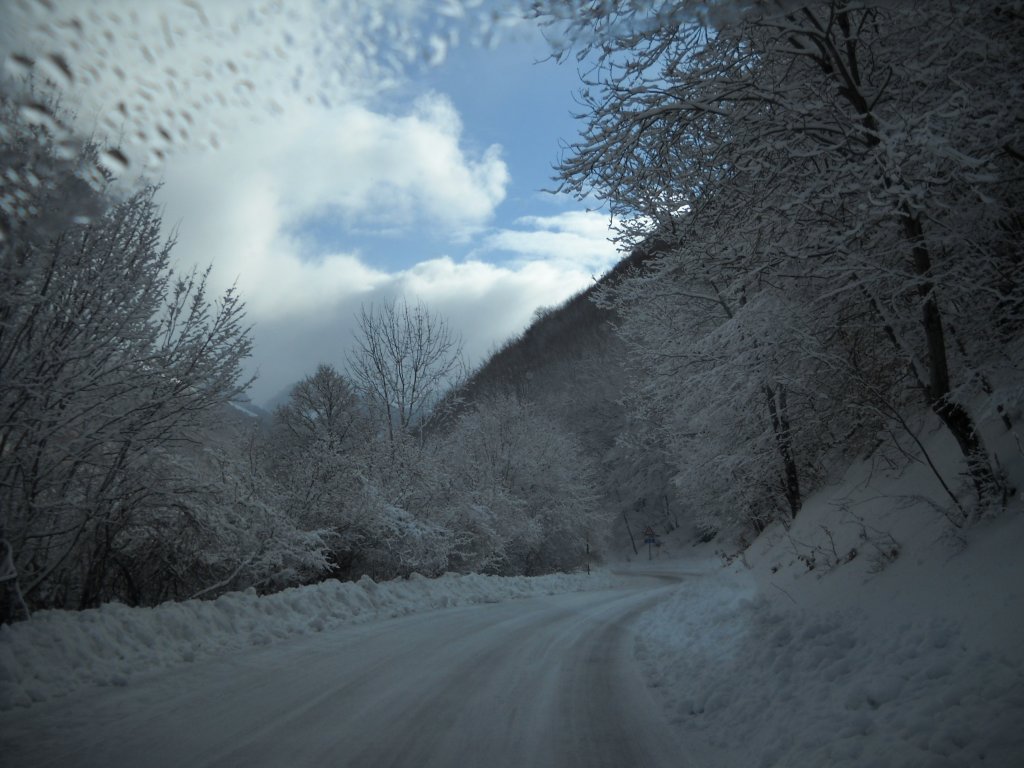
column 35, row 113
column 114, row 160
column 55, row 67
column 18, row 65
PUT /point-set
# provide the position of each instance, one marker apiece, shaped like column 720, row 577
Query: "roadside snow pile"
column 865, row 634
column 771, row 686
column 57, row 652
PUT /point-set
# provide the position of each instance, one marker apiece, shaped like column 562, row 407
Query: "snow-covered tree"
column 114, row 371
column 825, row 146
column 336, row 473
column 522, row 492
column 405, row 358
column 313, row 454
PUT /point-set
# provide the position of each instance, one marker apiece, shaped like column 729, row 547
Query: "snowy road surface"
column 548, row 681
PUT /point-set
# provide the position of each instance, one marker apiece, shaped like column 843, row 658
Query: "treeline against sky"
column 128, row 472
column 824, row 206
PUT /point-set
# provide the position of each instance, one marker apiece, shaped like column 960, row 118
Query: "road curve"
column 546, row 681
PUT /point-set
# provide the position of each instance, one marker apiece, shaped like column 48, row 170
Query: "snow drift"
column 58, row 652
column 868, row 631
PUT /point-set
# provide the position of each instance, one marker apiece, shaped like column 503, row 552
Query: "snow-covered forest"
column 833, row 198
column 823, row 211
column 132, row 472
column 820, row 208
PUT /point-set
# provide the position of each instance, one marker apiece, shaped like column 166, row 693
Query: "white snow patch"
column 240, row 407
column 868, row 658
column 58, row 652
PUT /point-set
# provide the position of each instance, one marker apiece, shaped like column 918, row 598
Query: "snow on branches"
column 843, row 178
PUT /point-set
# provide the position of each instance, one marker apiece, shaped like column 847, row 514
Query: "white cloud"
column 571, row 238
column 486, row 303
column 283, row 96
column 385, row 171
column 243, row 207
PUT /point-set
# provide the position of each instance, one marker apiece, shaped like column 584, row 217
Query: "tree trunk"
column 937, row 388
column 779, row 412
column 630, row 532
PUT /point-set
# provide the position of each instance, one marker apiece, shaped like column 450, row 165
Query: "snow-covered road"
column 548, row 681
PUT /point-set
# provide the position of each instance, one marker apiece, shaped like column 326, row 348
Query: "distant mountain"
column 249, row 408
column 271, row 404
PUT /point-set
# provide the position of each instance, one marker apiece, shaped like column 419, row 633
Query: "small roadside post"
column 651, row 540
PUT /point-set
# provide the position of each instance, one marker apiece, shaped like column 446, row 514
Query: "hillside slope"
column 867, row 632
column 571, row 364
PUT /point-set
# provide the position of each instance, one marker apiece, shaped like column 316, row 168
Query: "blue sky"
column 318, row 177
column 516, row 96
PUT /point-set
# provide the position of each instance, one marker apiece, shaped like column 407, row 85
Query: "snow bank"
column 764, row 685
column 57, row 652
column 865, row 634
